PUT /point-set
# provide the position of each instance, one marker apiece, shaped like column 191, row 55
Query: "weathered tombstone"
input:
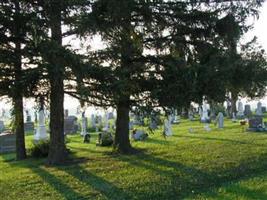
column 247, row 111
column 2, row 126
column 84, row 124
column 240, row 110
column 70, row 125
column 220, row 120
column 168, row 127
column 41, row 129
column 138, row 135
column 259, row 109
column 7, row 142
column 255, row 123
column 204, row 114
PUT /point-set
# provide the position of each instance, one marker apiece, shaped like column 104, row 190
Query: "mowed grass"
column 221, row 164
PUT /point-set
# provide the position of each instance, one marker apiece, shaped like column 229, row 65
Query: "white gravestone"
column 259, row 109
column 84, row 125
column 41, row 129
column 168, row 127
column 204, row 114
column 240, row 110
column 220, row 120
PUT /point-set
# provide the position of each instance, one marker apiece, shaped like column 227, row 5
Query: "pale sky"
column 260, row 28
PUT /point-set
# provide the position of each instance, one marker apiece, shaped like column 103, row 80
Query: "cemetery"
column 133, row 100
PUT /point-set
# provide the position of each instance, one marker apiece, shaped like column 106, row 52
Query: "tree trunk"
column 17, row 97
column 234, row 98
column 19, row 127
column 57, row 150
column 122, row 142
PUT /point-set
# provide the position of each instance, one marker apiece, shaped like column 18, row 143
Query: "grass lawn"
column 221, row 164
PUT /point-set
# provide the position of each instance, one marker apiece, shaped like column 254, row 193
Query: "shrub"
column 40, row 149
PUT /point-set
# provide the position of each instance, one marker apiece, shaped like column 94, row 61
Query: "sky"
column 259, row 30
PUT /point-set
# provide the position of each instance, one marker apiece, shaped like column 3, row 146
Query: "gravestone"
column 247, row 111
column 204, row 114
column 263, row 109
column 259, row 109
column 28, row 125
column 240, row 110
column 167, row 127
column 7, row 142
column 2, row 126
column 139, row 135
column 41, row 129
column 255, row 123
column 84, row 125
column 40, row 133
column 71, row 125
column 220, row 120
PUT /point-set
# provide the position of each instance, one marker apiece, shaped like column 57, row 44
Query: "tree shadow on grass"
column 188, row 180
column 162, row 141
column 62, row 188
column 106, row 188
column 218, row 139
column 234, row 191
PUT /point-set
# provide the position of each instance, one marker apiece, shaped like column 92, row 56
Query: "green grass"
column 221, row 164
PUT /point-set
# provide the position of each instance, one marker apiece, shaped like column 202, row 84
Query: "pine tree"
column 146, row 43
column 15, row 57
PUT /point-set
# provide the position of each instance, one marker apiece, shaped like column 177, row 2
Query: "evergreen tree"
column 16, row 77
column 150, row 48
column 57, row 63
